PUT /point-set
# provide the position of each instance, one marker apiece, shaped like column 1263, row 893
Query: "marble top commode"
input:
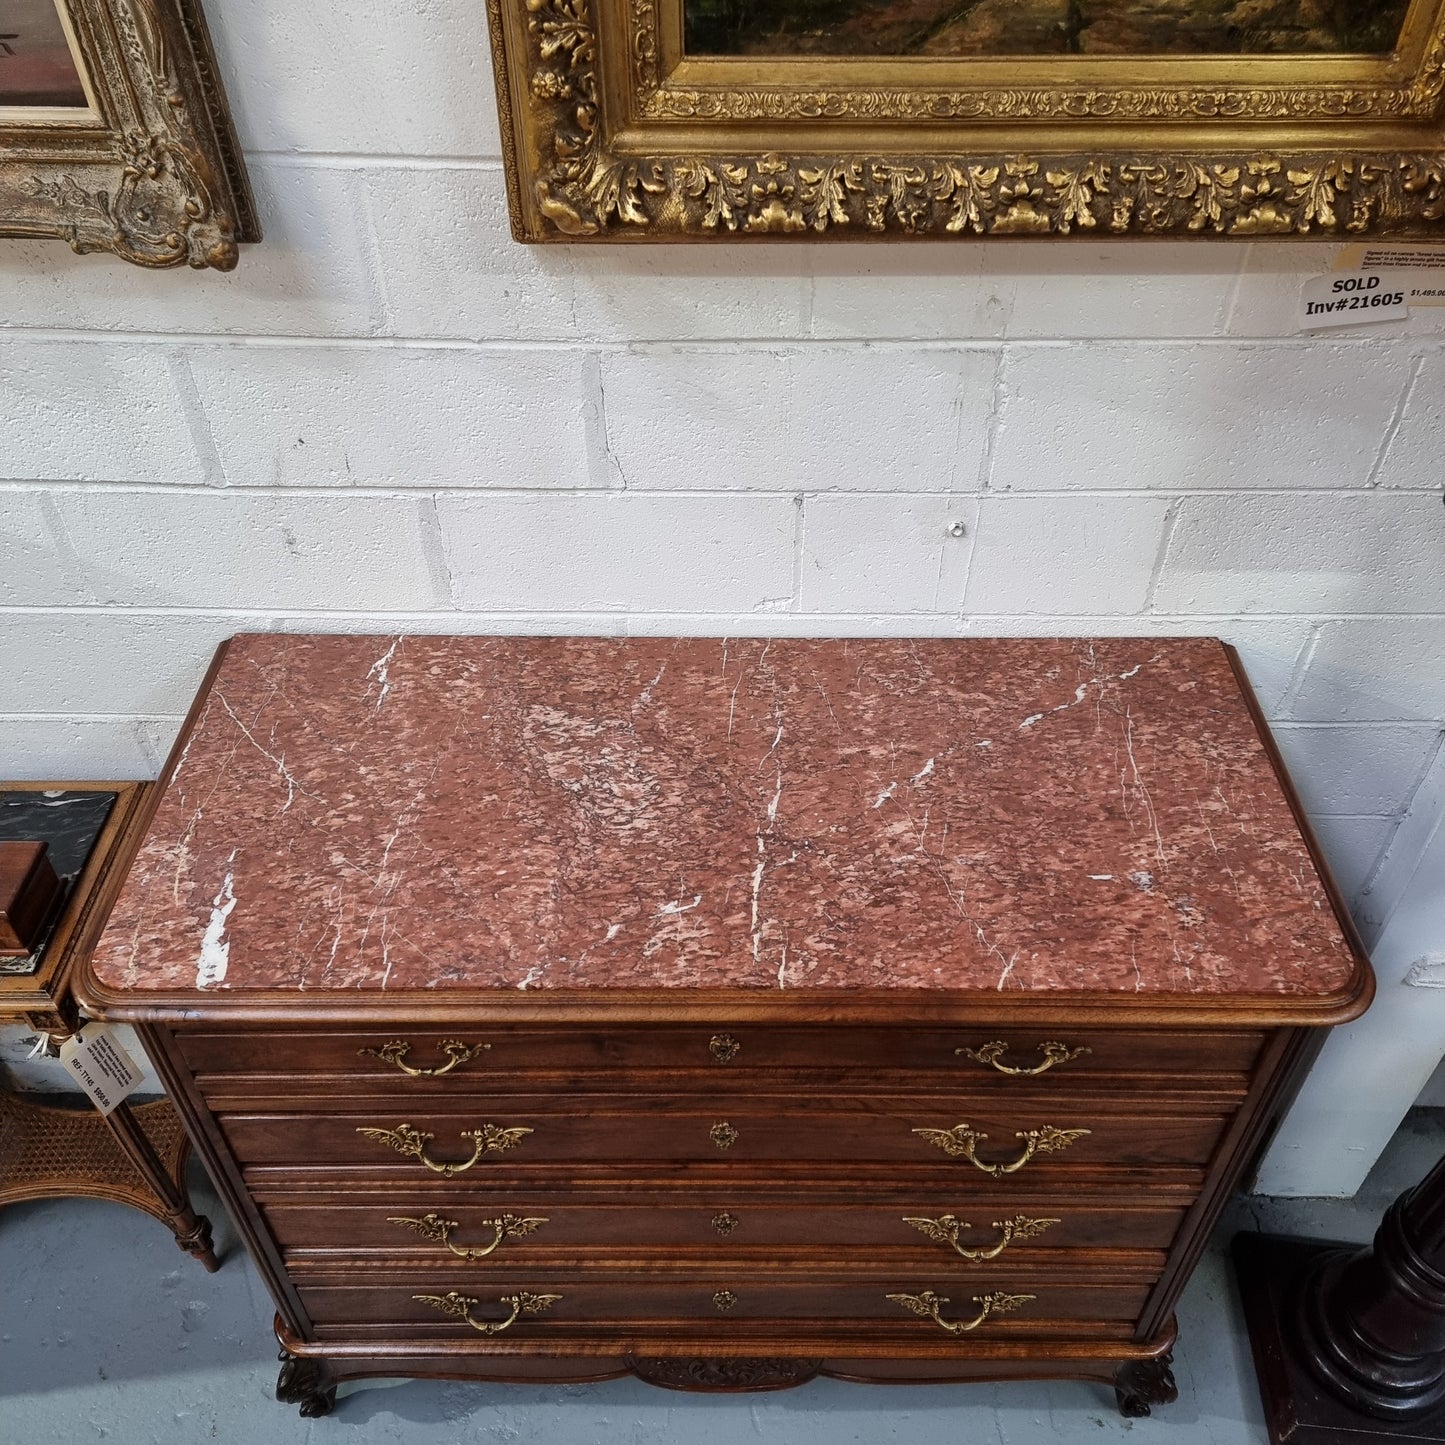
column 434, row 813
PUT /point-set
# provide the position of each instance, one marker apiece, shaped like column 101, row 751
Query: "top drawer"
column 499, row 1058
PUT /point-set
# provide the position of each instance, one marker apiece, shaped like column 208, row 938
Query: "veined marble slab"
column 354, row 813
column 67, row 821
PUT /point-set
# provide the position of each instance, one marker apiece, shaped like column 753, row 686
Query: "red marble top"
column 539, row 813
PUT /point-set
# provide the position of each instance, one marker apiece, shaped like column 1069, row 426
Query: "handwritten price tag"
column 1353, row 299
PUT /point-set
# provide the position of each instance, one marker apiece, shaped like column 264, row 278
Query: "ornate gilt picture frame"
column 114, row 133
column 614, row 130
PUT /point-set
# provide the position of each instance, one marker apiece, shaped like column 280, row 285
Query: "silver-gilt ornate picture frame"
column 114, row 133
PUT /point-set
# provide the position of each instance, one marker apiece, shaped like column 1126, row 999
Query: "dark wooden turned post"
column 1372, row 1324
column 1349, row 1343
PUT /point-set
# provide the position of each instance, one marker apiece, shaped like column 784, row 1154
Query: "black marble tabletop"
column 69, row 822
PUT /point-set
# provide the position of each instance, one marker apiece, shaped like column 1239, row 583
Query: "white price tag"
column 105, row 1071
column 1424, row 268
column 1352, row 299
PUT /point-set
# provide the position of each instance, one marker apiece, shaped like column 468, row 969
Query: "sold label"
column 1351, row 300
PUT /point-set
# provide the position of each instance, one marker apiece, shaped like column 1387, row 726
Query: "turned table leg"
column 135, row 1157
column 192, row 1230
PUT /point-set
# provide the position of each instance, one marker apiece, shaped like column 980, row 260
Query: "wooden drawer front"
column 512, row 1057
column 589, row 1299
column 513, row 1227
column 978, row 1145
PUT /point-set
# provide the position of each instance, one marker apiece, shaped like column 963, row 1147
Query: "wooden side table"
column 47, row 1151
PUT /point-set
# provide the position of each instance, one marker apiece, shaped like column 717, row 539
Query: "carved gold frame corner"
column 610, row 132
column 151, row 171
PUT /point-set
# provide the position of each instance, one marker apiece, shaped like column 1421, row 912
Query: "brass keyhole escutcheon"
column 723, row 1135
column 723, row 1047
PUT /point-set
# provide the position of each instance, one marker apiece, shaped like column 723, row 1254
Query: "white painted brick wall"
column 399, row 416
column 885, row 553
column 94, row 411
column 1225, row 417
column 1067, row 552
column 820, row 418
column 620, row 552
column 1360, row 552
column 393, row 417
column 416, row 78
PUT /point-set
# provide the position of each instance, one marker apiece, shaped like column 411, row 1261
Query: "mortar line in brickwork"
column 1280, row 723
column 368, row 160
column 93, row 717
column 197, row 421
column 1393, row 425
column 997, row 399
column 603, row 465
column 400, row 489
column 373, row 270
column 724, row 344
column 1080, row 624
column 1172, row 514
column 800, row 542
column 1226, row 313
column 1300, row 671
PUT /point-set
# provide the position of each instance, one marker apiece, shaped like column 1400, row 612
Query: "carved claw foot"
column 1138, row 1384
column 306, row 1383
column 197, row 1242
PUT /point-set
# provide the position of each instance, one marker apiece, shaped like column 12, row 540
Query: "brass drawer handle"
column 395, row 1051
column 433, row 1226
column 927, row 1305
column 723, row 1135
column 724, row 1300
column 723, row 1047
column 962, row 1142
column 460, row 1305
column 725, row 1223
column 1053, row 1052
column 946, row 1229
column 489, row 1139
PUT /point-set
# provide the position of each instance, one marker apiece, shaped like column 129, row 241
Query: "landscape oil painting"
column 37, row 66
column 962, row 28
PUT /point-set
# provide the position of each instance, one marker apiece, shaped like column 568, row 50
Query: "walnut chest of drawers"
column 726, row 1012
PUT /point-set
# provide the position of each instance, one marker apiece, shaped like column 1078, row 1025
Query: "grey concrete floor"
column 107, row 1332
